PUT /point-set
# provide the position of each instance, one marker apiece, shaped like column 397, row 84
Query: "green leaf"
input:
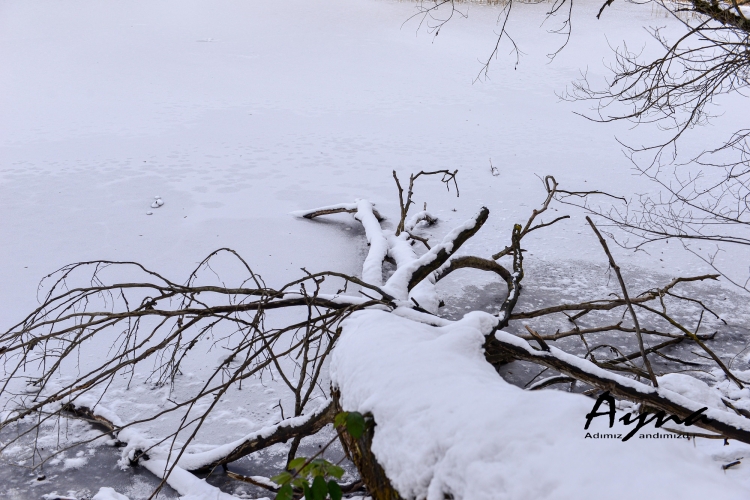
column 285, row 493
column 340, row 419
column 308, row 492
column 319, row 467
column 307, row 470
column 355, row 424
column 299, row 483
column 335, row 471
column 334, row 490
column 282, row 478
column 297, row 463
column 319, row 488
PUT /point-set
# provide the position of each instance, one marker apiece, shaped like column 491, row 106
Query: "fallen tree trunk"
column 459, row 380
column 359, row 451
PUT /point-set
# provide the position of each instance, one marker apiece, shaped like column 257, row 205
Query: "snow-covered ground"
column 235, row 113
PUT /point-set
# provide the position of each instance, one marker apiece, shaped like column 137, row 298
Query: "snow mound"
column 157, row 202
column 692, row 388
column 75, row 463
column 189, row 486
column 107, row 493
column 446, row 423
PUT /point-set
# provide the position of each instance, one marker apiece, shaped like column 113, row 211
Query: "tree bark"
column 359, row 451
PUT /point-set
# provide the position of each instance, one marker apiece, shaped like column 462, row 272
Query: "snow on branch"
column 401, row 251
column 304, row 425
column 724, row 423
column 418, row 217
column 407, row 277
column 135, row 450
column 372, row 268
column 404, row 361
column 471, row 262
column 185, row 483
column 333, row 209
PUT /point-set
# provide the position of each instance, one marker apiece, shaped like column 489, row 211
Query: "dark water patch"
column 549, row 284
column 78, row 472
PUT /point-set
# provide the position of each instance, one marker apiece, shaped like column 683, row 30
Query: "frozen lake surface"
column 235, row 113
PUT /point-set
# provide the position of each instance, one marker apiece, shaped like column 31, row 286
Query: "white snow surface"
column 293, row 104
column 107, row 493
column 693, row 389
column 458, row 428
column 185, row 483
column 75, row 463
column 402, row 252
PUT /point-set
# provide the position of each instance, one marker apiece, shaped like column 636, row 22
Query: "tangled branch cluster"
column 153, row 325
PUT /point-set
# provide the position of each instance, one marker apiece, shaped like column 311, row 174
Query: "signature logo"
column 642, row 420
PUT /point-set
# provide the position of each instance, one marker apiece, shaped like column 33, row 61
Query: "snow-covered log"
column 372, row 268
column 333, row 209
column 447, row 426
column 360, row 452
column 407, row 277
column 423, row 295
